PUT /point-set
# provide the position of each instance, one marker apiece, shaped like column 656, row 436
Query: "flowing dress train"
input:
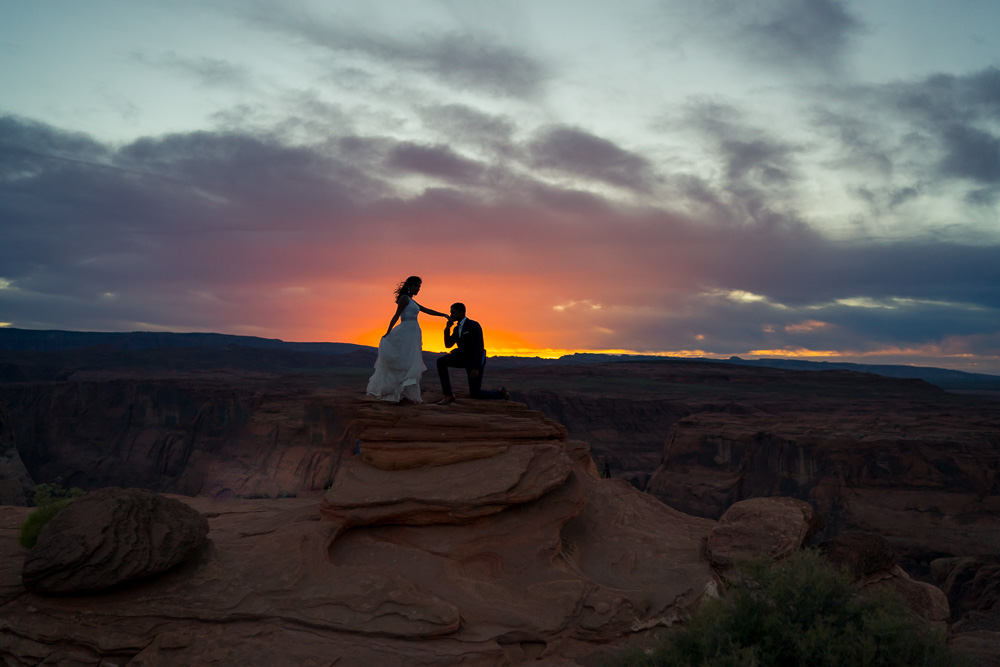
column 400, row 361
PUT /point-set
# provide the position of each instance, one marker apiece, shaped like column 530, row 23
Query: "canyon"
column 897, row 457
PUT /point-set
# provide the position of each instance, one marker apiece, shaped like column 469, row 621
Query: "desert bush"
column 49, row 499
column 798, row 612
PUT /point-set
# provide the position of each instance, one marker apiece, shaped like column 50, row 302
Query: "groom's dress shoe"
column 447, row 400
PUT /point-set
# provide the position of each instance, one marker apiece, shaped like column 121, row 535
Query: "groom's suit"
column 470, row 354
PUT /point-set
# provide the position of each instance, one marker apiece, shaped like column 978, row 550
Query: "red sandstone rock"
column 859, row 553
column 110, row 537
column 774, row 527
column 926, row 600
column 869, row 560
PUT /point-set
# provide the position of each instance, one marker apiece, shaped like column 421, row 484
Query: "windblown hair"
column 404, row 287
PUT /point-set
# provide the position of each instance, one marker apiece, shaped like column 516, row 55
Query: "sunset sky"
column 801, row 178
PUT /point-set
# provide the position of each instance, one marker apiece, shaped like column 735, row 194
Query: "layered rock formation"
column 476, row 533
column 218, row 433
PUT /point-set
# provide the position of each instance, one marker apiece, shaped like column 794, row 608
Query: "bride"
column 400, row 362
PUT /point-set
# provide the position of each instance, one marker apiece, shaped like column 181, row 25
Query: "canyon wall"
column 218, row 434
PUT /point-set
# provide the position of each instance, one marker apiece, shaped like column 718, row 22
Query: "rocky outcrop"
column 510, row 551
column 110, row 537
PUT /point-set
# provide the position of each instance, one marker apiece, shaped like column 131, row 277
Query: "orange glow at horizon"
column 521, row 317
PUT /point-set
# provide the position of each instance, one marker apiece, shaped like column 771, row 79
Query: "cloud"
column 459, row 59
column 783, row 34
column 439, row 161
column 791, row 31
column 750, row 156
column 942, row 127
column 210, row 72
column 577, row 152
column 456, row 122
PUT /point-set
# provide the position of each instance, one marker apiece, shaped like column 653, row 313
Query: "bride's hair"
column 404, row 287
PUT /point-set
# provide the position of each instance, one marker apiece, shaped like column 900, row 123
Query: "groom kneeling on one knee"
column 469, row 353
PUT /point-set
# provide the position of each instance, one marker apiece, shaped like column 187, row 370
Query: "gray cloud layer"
column 172, row 230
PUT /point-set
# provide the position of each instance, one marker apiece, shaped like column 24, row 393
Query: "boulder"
column 869, row 560
column 926, row 600
column 110, row 537
column 859, row 553
column 774, row 527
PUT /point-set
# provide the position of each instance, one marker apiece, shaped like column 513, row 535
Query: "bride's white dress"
column 400, row 362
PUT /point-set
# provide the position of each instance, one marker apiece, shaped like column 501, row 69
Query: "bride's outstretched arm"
column 433, row 312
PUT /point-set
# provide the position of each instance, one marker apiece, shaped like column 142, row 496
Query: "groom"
column 470, row 355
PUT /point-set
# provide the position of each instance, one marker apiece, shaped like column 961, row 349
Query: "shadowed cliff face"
column 212, row 434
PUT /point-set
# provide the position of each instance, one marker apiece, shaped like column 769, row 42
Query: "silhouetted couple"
column 400, row 352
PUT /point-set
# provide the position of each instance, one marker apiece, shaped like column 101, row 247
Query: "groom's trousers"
column 475, row 383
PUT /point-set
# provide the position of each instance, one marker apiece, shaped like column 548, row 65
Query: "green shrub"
column 46, row 494
column 798, row 612
column 49, row 499
column 33, row 525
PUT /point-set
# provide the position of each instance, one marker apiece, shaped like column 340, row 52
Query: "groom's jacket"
column 470, row 348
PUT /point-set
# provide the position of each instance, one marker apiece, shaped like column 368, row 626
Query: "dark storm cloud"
column 438, row 161
column 458, row 59
column 574, row 151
